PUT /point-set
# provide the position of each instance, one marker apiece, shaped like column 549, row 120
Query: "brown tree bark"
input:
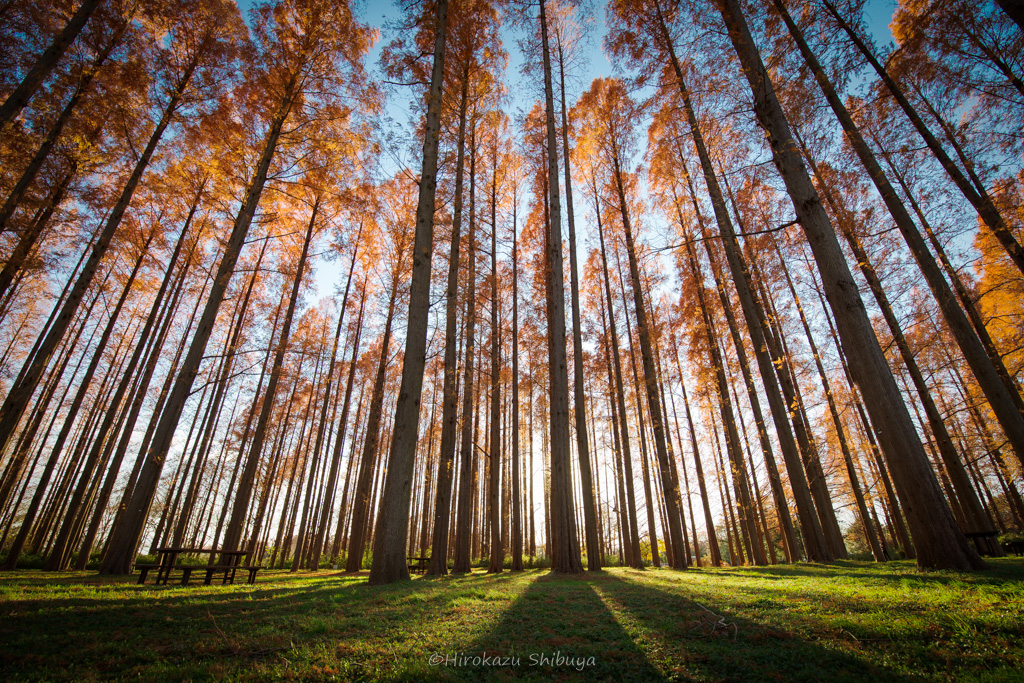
column 389, row 563
column 814, row 539
column 517, row 523
column 788, row 533
column 627, row 458
column 786, row 370
column 1000, row 396
column 361, row 503
column 676, row 560
column 641, row 428
column 46, row 62
column 450, row 396
column 626, row 545
column 579, row 407
column 696, row 456
column 237, row 521
column 564, row 541
column 339, row 534
column 939, row 543
column 497, row 549
column 120, row 556
column 977, row 196
column 844, row 447
column 732, row 439
column 467, row 456
column 335, row 460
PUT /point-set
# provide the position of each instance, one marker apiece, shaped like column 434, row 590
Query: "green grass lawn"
column 835, row 622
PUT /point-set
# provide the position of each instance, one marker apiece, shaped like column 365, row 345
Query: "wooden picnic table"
column 978, row 536
column 167, row 562
column 418, row 565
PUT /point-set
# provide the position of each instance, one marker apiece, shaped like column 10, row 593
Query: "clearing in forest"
column 841, row 621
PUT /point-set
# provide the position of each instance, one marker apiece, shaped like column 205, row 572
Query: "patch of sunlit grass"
column 841, row 621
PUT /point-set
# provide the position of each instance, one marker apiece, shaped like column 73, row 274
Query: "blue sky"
column 380, row 13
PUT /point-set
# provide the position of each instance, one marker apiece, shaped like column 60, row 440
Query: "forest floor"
column 843, row 621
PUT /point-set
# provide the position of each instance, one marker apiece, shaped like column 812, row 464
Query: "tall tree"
column 393, row 522
column 240, row 508
column 566, row 35
column 939, row 543
column 46, row 62
column 609, row 108
column 564, row 540
column 1004, row 404
column 303, row 46
column 196, row 46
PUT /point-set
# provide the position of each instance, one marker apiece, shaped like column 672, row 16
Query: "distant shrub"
column 540, row 562
column 29, row 561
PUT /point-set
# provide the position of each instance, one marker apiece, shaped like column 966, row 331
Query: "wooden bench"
column 1014, row 547
column 145, row 569
column 229, row 572
column 418, row 565
column 977, row 536
column 230, row 563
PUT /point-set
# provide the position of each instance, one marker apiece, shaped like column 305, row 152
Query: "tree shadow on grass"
column 117, row 630
column 687, row 643
column 998, row 567
column 557, row 629
column 1001, row 572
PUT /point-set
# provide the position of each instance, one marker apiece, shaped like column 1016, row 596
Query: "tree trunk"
column 300, row 539
column 676, row 560
column 339, row 533
column 627, row 458
column 389, row 563
column 652, row 530
column 45, row 63
column 709, row 522
column 977, row 196
column 940, row 544
column 450, row 395
column 467, row 454
column 83, row 387
column 517, row 525
column 732, row 439
column 789, row 543
column 564, row 541
column 579, row 408
column 1007, row 410
column 625, row 530
column 802, row 425
column 236, row 524
column 497, row 549
column 16, row 463
column 361, row 506
column 844, row 447
column 332, row 475
column 17, row 400
column 59, row 556
column 813, row 536
column 120, row 557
